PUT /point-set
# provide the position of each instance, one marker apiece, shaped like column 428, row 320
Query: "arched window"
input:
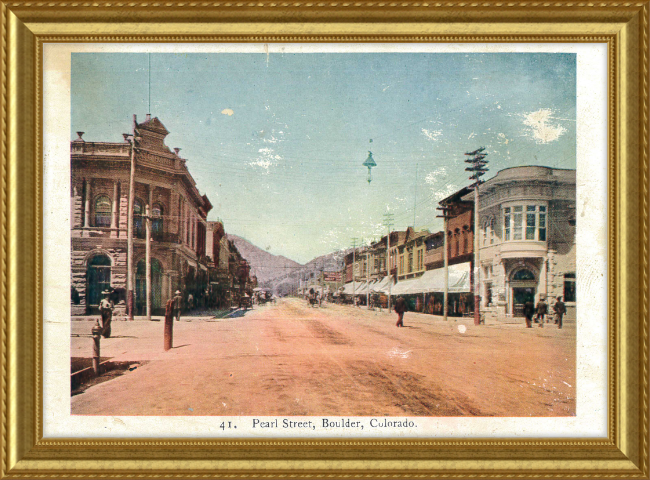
column 138, row 220
column 524, row 274
column 103, row 211
column 465, row 240
column 157, row 222
column 457, row 242
column 492, row 231
column 486, row 228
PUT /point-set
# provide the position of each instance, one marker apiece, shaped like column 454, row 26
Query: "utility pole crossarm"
column 478, row 168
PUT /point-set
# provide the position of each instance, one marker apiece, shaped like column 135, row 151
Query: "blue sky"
column 277, row 142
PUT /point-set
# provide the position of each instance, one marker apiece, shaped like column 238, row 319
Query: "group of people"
column 540, row 311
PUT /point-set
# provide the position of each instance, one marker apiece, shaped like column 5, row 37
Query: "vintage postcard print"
column 291, row 241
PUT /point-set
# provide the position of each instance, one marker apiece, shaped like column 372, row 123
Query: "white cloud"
column 540, row 127
column 432, row 134
column 228, row 111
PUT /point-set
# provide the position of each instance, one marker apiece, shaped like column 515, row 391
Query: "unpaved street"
column 289, row 359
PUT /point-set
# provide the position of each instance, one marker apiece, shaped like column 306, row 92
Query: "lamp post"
column 370, row 163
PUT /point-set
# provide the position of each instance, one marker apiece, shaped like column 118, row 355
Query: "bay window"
column 525, row 222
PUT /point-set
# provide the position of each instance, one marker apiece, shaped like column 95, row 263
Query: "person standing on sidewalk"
column 560, row 309
column 190, row 301
column 542, row 310
column 400, row 308
column 178, row 304
column 529, row 311
column 106, row 311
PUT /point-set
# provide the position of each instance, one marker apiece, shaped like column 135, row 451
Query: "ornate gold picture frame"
column 26, row 26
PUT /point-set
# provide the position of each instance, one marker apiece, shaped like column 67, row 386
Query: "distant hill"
column 264, row 265
column 287, row 282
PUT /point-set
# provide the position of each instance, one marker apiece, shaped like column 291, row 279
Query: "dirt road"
column 290, row 359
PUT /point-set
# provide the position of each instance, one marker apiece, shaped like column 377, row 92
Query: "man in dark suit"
column 529, row 311
column 400, row 308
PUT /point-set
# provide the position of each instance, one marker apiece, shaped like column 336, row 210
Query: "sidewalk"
column 194, row 315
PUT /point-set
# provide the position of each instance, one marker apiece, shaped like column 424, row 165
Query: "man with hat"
column 178, row 303
column 106, row 311
column 560, row 309
column 542, row 310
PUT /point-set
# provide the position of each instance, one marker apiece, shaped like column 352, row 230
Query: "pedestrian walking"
column 178, row 304
column 106, row 311
column 542, row 310
column 529, row 311
column 190, row 301
column 560, row 309
column 400, row 308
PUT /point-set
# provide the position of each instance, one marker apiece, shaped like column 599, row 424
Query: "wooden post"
column 96, row 333
column 169, row 324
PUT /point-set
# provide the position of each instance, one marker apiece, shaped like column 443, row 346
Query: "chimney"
column 148, row 117
column 80, row 134
column 176, row 150
column 135, row 124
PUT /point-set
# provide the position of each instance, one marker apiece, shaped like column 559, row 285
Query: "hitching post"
column 97, row 334
column 169, row 324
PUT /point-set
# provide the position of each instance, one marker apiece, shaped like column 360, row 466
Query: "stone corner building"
column 99, row 210
column 527, row 239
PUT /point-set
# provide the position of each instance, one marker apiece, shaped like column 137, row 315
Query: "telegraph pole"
column 368, row 276
column 478, row 167
column 415, row 195
column 148, row 259
column 388, row 222
column 354, row 262
column 445, row 301
column 129, row 227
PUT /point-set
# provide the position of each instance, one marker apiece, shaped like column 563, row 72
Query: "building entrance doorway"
column 98, row 279
column 521, row 295
column 524, row 287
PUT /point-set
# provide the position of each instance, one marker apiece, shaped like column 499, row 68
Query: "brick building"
column 99, row 202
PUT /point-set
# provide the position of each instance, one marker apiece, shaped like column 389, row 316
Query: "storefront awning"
column 382, row 285
column 434, row 281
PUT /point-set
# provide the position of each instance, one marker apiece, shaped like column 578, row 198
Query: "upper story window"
column 157, row 222
column 492, row 235
column 138, row 220
column 103, row 211
column 524, row 222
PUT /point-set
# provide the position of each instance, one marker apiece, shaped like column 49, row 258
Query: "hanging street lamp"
column 370, row 162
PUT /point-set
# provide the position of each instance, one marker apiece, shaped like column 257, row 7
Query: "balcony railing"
column 100, row 148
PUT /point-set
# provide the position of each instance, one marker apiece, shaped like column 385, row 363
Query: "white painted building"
column 527, row 239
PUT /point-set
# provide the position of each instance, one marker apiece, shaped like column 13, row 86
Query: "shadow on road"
column 181, row 346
